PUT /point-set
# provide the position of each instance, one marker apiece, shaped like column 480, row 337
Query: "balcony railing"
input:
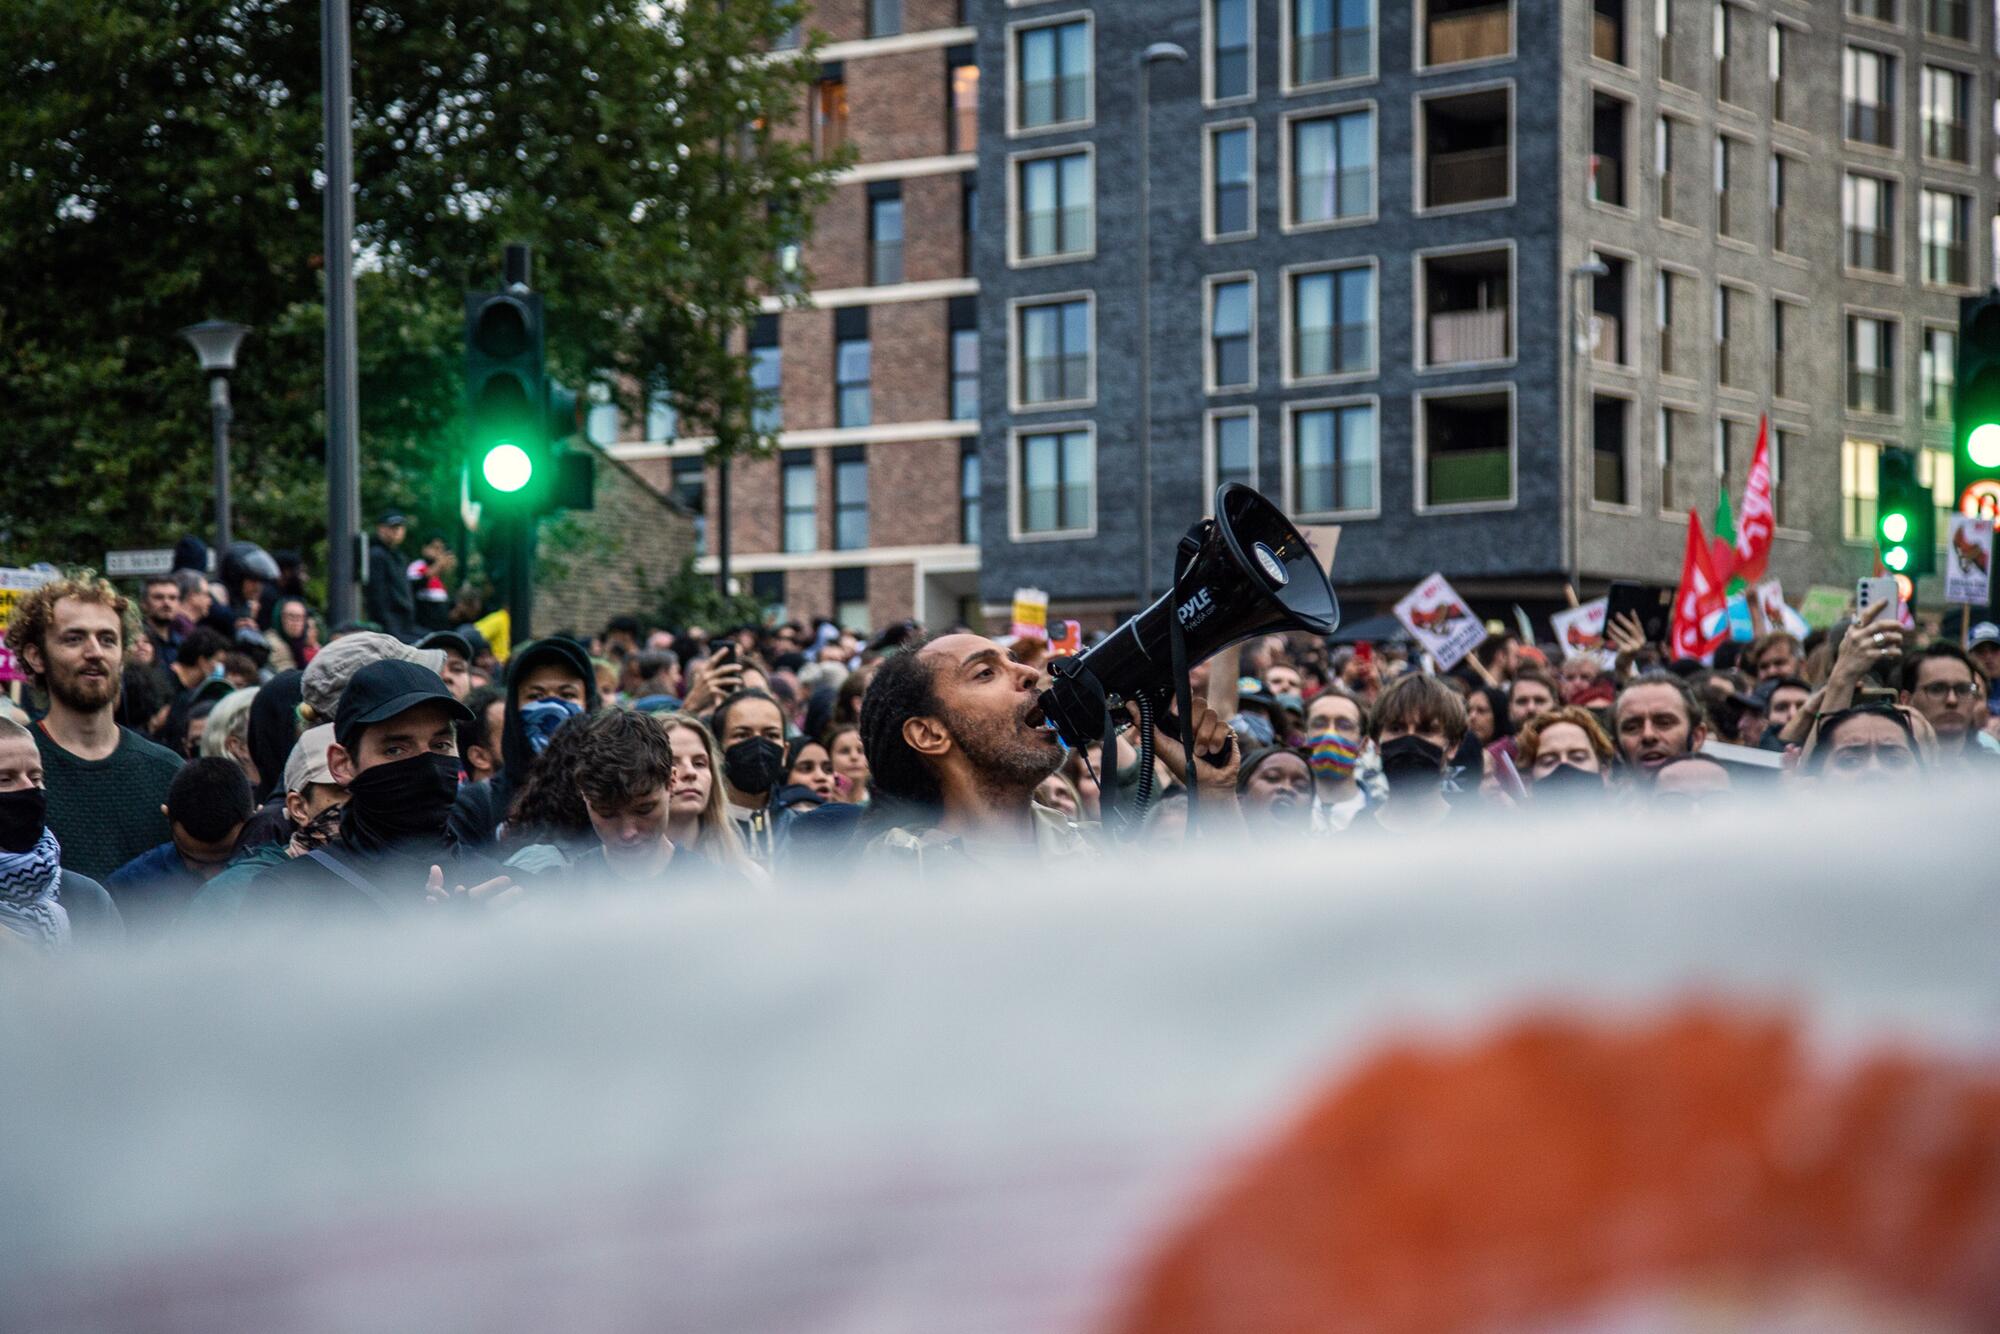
column 1468, row 335
column 885, row 263
column 1869, row 123
column 1882, row 11
column 1466, row 177
column 1326, row 56
column 1946, row 141
column 1945, row 266
column 1053, row 101
column 1054, row 231
column 1870, row 391
column 1470, row 34
column 1467, row 476
column 1872, row 250
column 1055, row 379
column 1334, row 351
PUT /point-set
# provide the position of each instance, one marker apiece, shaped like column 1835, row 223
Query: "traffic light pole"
column 519, row 562
column 343, row 472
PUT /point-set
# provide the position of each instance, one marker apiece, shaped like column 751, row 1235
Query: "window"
column 1056, row 199
column 962, row 121
column 1935, row 469
column 963, row 316
column 1732, row 449
column 1610, row 478
column 1467, row 307
column 1938, row 367
column 662, row 422
column 1677, row 53
column 1882, row 11
column 1675, row 427
column 1467, row 442
column 829, row 111
column 1608, row 155
column 1232, row 449
column 1232, row 333
column 1232, row 181
column 885, row 233
column 1732, row 186
column 1333, row 453
column 968, row 492
column 1607, row 31
column 1859, row 460
column 1608, row 303
column 799, row 492
column 1787, row 330
column 1460, row 30
column 1732, row 336
column 1332, row 162
column 1333, row 323
column 1868, row 210
column 1231, row 73
column 768, row 588
column 1468, row 148
column 1946, row 102
column 968, row 219
column 1950, row 19
column 1676, row 316
column 1053, row 79
column 767, row 410
column 1730, row 83
column 850, row 599
column 850, row 498
column 1057, row 482
column 1868, row 87
column 1783, row 171
column 1871, row 365
column 885, row 17
column 1785, row 445
column 853, row 368
column 1946, row 220
column 1784, row 46
column 690, row 488
column 1055, row 360
column 601, row 423
column 1330, row 39
column 1669, row 136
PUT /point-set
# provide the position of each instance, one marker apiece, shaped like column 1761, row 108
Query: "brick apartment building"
column 862, row 513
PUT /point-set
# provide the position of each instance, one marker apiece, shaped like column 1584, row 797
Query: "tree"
column 161, row 168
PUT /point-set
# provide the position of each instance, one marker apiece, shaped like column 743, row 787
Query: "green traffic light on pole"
column 1982, row 444
column 1896, row 527
column 1897, row 558
column 507, row 468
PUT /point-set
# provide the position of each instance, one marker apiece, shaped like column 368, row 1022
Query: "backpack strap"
column 352, row 877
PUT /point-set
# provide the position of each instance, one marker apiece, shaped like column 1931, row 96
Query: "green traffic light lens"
column 1983, row 445
column 1895, row 527
column 507, row 468
column 1897, row 558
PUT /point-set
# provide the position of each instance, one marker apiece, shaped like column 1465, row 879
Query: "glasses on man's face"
column 1947, row 689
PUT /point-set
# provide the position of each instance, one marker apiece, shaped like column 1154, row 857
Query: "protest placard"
column 1031, row 614
column 1778, row 614
column 1436, row 615
column 1968, row 566
column 1823, row 605
column 1324, row 539
column 13, row 583
column 1580, row 632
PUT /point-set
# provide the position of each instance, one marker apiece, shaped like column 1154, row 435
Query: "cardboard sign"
column 1031, row 614
column 1437, row 617
column 1968, row 566
column 1580, row 632
column 1823, row 605
column 13, row 583
column 1778, row 614
column 1324, row 539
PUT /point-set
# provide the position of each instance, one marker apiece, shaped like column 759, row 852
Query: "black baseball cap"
column 382, row 690
column 451, row 641
column 394, row 519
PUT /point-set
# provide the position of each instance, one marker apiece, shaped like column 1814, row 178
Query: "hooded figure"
column 274, row 730
column 482, row 807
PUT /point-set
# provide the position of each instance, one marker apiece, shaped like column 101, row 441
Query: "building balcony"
column 1467, row 177
column 1470, row 34
column 1469, row 476
column 1467, row 336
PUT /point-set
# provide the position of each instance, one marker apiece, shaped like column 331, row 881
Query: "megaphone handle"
column 1190, row 548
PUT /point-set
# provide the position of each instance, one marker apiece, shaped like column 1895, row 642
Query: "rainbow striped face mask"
column 1332, row 755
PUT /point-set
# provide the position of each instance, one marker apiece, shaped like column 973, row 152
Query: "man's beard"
column 1004, row 757
column 74, row 690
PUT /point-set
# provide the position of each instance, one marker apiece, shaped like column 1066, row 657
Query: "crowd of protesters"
column 201, row 749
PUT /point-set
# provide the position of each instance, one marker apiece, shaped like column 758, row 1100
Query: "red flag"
column 1701, row 611
column 1760, row 515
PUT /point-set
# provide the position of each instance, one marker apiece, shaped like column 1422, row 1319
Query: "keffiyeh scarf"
column 28, row 905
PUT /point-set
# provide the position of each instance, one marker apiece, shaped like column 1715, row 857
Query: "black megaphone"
column 1252, row 574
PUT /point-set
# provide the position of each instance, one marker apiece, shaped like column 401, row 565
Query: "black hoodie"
column 482, row 807
column 274, row 730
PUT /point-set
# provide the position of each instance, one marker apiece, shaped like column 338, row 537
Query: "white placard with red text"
column 1968, row 561
column 1438, row 617
column 1580, row 631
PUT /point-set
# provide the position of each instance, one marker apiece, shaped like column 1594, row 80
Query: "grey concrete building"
column 1371, row 226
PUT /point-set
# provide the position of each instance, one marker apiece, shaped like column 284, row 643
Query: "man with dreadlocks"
column 957, row 745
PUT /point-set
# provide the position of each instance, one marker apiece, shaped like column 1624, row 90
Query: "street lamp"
column 1591, row 270
column 1152, row 55
column 215, row 342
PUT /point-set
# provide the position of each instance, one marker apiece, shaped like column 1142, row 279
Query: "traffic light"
column 512, row 465
column 1975, row 397
column 1905, row 522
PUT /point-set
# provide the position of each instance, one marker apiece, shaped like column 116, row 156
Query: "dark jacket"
column 482, row 806
column 93, row 917
column 387, row 597
column 274, row 730
column 151, row 889
column 395, row 877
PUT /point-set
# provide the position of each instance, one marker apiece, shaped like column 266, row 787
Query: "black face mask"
column 407, row 801
column 753, row 765
column 1412, row 765
column 1567, row 780
column 22, row 815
